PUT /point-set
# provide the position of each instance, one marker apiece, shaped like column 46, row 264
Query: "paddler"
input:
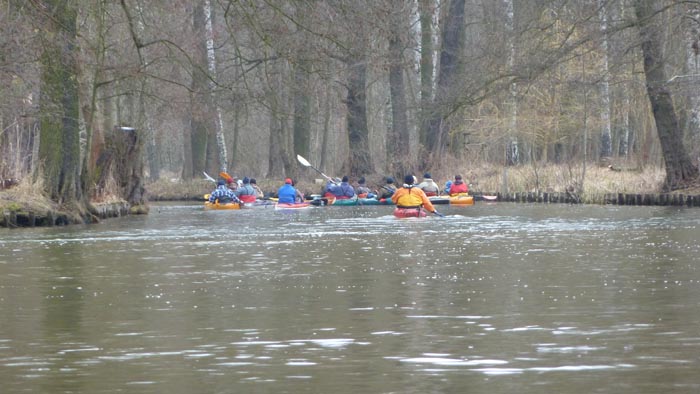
column 222, row 193
column 387, row 190
column 458, row 186
column 287, row 193
column 344, row 190
column 246, row 193
column 429, row 186
column 411, row 197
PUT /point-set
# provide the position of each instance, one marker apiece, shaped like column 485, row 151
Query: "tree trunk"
column 280, row 132
column 427, row 66
column 679, row 168
column 452, row 43
column 198, row 129
column 122, row 161
column 91, row 113
column 360, row 158
column 222, row 155
column 513, row 148
column 276, row 164
column 692, row 67
column 60, row 133
column 400, row 135
column 606, row 129
column 302, row 109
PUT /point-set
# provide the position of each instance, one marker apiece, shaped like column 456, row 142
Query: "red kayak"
column 292, row 205
column 410, row 212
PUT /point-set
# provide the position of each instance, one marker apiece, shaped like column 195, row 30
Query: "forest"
column 359, row 87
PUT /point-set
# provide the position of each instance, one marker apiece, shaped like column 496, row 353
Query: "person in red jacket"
column 458, row 186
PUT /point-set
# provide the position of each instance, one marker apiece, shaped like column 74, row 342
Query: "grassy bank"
column 486, row 179
column 589, row 185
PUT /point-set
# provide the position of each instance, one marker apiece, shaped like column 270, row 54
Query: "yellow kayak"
column 461, row 199
column 215, row 205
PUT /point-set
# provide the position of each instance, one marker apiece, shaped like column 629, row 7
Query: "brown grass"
column 550, row 178
column 483, row 178
column 168, row 189
column 27, row 195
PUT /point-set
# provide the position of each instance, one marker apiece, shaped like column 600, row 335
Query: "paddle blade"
column 303, row 161
column 436, row 213
column 226, row 176
column 208, row 177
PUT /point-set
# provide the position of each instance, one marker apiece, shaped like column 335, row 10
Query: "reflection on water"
column 496, row 298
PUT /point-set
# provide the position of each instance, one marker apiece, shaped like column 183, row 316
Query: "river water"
column 494, row 298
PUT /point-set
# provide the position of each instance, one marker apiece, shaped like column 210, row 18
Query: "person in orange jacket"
column 410, row 196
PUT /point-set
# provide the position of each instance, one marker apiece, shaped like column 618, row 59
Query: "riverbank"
column 22, row 206
column 597, row 184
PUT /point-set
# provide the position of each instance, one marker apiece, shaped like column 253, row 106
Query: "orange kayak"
column 215, row 205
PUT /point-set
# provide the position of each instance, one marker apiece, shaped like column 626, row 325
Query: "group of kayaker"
column 412, row 195
column 230, row 190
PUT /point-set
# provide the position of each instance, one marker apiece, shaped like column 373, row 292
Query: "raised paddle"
column 306, row 163
column 208, row 177
column 226, row 176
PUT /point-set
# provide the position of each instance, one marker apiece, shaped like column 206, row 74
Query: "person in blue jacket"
column 344, row 190
column 287, row 193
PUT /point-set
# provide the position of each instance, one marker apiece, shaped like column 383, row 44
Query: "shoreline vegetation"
column 21, row 206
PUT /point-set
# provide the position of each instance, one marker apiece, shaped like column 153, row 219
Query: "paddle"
column 226, row 176
column 306, row 163
column 436, row 213
column 208, row 177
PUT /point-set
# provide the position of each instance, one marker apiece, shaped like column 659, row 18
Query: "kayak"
column 292, row 205
column 350, row 201
column 485, row 197
column 462, row 199
column 410, row 212
column 216, row 205
column 259, row 204
column 439, row 200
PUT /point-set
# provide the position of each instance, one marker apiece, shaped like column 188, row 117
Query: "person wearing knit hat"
column 411, row 197
column 387, row 190
column 408, row 181
column 246, row 192
column 429, row 186
column 343, row 191
column 362, row 190
column 222, row 194
column 287, row 193
column 458, row 186
column 258, row 192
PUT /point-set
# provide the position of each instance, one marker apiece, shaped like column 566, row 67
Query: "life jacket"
column 286, row 194
column 343, row 191
column 458, row 187
column 410, row 197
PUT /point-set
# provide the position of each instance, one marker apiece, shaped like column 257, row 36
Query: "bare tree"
column 60, row 131
column 679, row 168
column 443, row 104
